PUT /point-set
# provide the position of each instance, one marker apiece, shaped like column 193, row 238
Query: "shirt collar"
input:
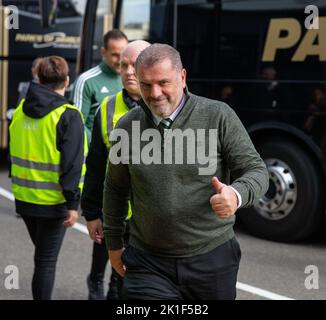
column 172, row 116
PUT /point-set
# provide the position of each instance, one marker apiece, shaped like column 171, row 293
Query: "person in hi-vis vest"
column 47, row 150
column 108, row 114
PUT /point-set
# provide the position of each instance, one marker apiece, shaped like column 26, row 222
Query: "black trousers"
column 99, row 261
column 47, row 236
column 211, row 276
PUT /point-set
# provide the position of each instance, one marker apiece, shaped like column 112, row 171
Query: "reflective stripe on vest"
column 112, row 109
column 35, row 165
column 35, row 160
column 36, row 184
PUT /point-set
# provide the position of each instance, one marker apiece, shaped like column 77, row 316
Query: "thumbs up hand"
column 225, row 202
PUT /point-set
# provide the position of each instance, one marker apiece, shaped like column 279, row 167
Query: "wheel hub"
column 281, row 196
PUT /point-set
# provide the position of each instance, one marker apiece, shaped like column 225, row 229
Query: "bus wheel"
column 292, row 208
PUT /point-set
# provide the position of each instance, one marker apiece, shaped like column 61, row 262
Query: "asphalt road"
column 268, row 270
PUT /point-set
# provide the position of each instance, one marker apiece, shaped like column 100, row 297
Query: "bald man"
column 110, row 111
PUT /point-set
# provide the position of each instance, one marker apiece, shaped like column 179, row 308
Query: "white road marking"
column 261, row 292
column 80, row 227
column 241, row 286
column 77, row 226
column 7, row 194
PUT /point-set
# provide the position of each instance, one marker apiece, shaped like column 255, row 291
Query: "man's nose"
column 156, row 91
column 130, row 70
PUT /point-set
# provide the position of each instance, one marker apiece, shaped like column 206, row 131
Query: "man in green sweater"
column 104, row 80
column 182, row 243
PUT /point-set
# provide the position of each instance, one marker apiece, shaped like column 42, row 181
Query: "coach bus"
column 267, row 60
column 31, row 29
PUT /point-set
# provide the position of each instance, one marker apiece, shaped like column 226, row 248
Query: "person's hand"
column 116, row 262
column 225, row 202
column 71, row 219
column 95, row 230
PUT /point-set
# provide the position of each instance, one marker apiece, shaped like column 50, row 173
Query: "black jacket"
column 92, row 196
column 70, row 142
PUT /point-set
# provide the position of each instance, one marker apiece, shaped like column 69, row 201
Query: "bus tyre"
column 292, row 209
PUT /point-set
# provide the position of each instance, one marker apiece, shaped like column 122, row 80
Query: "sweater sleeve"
column 92, row 196
column 70, row 142
column 115, row 202
column 248, row 170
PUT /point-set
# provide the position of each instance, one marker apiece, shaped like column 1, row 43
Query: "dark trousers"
column 99, row 261
column 47, row 235
column 211, row 276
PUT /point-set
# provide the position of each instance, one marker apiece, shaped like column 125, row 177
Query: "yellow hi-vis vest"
column 112, row 109
column 35, row 160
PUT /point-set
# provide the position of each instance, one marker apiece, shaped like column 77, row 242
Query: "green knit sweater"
column 172, row 215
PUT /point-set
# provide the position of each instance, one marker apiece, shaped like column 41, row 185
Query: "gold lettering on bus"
column 70, row 40
column 47, row 38
column 285, row 33
column 274, row 40
column 28, row 37
column 313, row 43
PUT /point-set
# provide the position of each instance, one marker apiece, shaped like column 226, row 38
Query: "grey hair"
column 156, row 53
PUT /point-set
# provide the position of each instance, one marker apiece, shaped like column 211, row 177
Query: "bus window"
column 195, row 35
column 103, row 24
column 65, row 8
column 263, row 74
column 135, row 19
column 19, row 47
